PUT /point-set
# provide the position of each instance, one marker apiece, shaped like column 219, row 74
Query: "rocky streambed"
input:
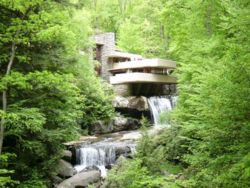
column 87, row 160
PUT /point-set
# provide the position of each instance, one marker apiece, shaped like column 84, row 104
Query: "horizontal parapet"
column 142, row 78
column 119, row 54
column 145, row 63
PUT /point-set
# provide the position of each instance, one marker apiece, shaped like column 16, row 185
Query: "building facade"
column 132, row 74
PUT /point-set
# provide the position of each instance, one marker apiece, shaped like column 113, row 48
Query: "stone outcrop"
column 120, row 102
column 65, row 169
column 67, row 155
column 133, row 102
column 138, row 103
column 122, row 150
column 82, row 179
column 119, row 123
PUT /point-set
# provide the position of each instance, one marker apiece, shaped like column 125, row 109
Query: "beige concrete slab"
column 146, row 63
column 142, row 78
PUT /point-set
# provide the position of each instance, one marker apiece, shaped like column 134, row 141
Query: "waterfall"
column 161, row 104
column 98, row 155
column 174, row 101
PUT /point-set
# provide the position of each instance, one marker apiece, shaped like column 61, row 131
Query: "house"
column 132, row 74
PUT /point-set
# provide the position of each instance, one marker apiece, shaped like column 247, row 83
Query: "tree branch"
column 4, row 94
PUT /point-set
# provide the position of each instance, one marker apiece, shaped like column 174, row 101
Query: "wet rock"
column 119, row 123
column 67, row 155
column 120, row 160
column 122, row 124
column 133, row 113
column 101, row 127
column 139, row 103
column 109, row 166
column 81, row 141
column 82, row 179
column 65, row 169
column 56, row 180
column 122, row 150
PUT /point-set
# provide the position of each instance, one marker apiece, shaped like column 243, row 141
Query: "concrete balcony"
column 137, row 77
column 118, row 54
column 145, row 63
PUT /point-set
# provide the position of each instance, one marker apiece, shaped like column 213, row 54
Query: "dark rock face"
column 101, row 127
column 67, row 155
column 122, row 150
column 122, row 123
column 82, row 179
column 132, row 106
column 57, row 180
column 117, row 124
column 133, row 113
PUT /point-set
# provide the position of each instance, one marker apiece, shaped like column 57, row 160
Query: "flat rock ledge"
column 133, row 102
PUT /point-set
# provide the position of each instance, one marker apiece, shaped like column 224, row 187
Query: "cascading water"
column 98, row 155
column 174, row 101
column 104, row 153
column 161, row 104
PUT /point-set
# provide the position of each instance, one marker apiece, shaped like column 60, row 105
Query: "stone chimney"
column 107, row 43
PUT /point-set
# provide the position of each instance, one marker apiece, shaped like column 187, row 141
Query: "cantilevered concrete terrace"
column 145, row 63
column 136, row 77
column 132, row 74
column 143, row 71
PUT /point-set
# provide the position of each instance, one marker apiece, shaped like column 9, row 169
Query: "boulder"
column 65, row 169
column 82, row 179
column 120, row 161
column 122, row 150
column 138, row 103
column 56, row 180
column 67, row 155
column 101, row 127
column 133, row 102
column 124, row 124
column 119, row 123
column 120, row 102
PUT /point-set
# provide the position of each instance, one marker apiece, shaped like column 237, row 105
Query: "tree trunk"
column 4, row 95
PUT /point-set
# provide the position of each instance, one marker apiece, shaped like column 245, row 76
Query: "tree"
column 211, row 44
column 48, row 80
column 210, row 130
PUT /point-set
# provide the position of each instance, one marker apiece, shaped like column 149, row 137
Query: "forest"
column 51, row 94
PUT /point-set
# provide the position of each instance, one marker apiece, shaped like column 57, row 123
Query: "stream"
column 102, row 151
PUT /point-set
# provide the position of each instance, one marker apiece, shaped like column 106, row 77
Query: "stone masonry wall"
column 107, row 40
column 122, row 90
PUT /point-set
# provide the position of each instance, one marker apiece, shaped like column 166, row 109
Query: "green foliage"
column 213, row 106
column 137, row 24
column 131, row 174
column 145, row 123
column 5, row 178
column 35, row 181
column 210, row 42
column 37, row 126
column 130, row 38
column 99, row 103
column 143, row 31
column 50, row 81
